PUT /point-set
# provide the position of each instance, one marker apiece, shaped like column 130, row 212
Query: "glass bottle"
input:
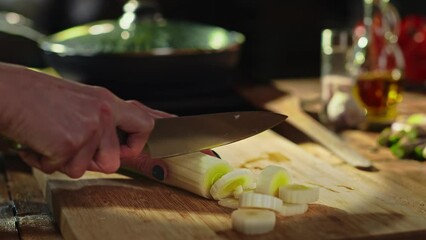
column 378, row 67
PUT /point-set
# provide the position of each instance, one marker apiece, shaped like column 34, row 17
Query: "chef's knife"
column 182, row 135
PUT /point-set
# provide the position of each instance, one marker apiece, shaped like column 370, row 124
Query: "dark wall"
column 283, row 37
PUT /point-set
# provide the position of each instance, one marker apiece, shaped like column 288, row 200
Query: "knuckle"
column 69, row 145
column 103, row 109
column 133, row 102
column 103, row 93
column 137, row 104
column 150, row 124
column 103, row 100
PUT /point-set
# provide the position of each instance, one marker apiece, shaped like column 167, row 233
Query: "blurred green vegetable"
column 384, row 135
column 417, row 119
column 405, row 148
column 420, row 151
column 406, row 139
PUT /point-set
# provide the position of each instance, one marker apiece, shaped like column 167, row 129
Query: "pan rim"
column 50, row 44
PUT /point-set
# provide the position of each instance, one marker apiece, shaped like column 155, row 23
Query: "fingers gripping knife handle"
column 122, row 138
column 9, row 146
column 155, row 169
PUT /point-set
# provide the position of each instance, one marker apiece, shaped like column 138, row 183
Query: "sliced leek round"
column 252, row 186
column 258, row 200
column 237, row 195
column 229, row 203
column 271, row 179
column 238, row 191
column 253, row 221
column 226, row 185
column 291, row 209
column 298, row 193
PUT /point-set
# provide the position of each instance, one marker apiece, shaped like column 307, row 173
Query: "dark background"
column 282, row 40
column 282, row 37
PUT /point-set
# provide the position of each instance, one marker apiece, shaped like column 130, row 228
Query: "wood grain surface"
column 28, row 208
column 386, row 204
column 291, row 105
column 353, row 203
column 8, row 229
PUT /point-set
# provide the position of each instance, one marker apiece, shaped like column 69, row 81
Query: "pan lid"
column 141, row 30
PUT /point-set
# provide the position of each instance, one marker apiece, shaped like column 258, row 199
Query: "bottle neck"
column 381, row 18
column 378, row 48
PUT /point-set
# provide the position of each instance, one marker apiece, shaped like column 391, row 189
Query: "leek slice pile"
column 257, row 199
column 273, row 194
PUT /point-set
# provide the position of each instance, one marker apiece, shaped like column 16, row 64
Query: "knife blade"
column 181, row 135
column 188, row 134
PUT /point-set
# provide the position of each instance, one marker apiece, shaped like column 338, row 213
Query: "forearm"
column 22, row 92
column 10, row 82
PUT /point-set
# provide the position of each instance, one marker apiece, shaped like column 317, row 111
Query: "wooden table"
column 24, row 213
column 23, row 210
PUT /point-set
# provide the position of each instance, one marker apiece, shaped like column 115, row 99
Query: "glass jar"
column 339, row 109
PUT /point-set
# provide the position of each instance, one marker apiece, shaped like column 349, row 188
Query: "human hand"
column 71, row 125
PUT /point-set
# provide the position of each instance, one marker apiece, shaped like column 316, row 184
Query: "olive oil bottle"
column 379, row 93
column 378, row 64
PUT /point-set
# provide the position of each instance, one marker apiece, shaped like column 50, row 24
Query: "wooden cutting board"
column 389, row 204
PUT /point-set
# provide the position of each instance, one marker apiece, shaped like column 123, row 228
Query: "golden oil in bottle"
column 379, row 92
column 378, row 64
